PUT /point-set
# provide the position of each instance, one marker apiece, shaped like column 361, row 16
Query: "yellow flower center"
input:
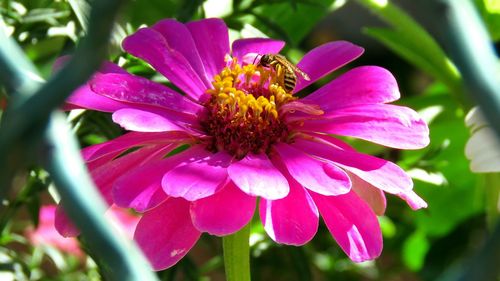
column 244, row 110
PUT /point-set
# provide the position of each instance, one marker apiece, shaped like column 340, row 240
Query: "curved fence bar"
column 458, row 27
column 83, row 203
column 31, row 113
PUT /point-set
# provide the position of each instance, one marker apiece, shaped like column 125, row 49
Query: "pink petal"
column 144, row 121
column 179, row 38
column 223, row 213
column 63, row 224
column 326, row 58
column 105, row 176
column 353, row 225
column 360, row 85
column 378, row 172
column 292, row 220
column 85, row 98
column 328, row 140
column 100, row 161
column 212, row 41
column 385, row 124
column 141, row 188
column 256, row 46
column 255, row 175
column 138, row 90
column 370, row 194
column 166, row 234
column 150, row 45
column 129, row 140
column 414, row 201
column 202, row 176
column 313, row 174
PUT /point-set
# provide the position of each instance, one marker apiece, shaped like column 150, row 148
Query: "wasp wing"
column 291, row 67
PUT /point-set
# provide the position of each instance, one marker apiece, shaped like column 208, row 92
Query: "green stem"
column 236, row 249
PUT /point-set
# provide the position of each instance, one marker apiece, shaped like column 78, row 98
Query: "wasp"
column 285, row 70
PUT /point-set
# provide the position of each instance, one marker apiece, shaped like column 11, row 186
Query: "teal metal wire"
column 457, row 25
column 84, row 204
column 31, row 130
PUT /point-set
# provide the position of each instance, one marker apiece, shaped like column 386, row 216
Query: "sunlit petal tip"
column 413, row 200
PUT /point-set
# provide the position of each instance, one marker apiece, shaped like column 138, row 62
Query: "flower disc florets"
column 244, row 110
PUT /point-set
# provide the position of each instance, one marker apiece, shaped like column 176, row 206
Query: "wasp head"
column 265, row 60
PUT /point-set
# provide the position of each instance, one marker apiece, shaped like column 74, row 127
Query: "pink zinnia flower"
column 46, row 235
column 247, row 138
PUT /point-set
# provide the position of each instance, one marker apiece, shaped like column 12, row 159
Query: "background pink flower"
column 247, row 138
column 46, row 235
column 121, row 219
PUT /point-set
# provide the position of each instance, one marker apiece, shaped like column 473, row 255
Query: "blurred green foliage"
column 418, row 245
column 490, row 11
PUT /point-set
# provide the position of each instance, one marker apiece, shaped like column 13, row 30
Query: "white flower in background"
column 483, row 147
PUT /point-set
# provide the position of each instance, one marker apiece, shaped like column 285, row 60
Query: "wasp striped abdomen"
column 289, row 80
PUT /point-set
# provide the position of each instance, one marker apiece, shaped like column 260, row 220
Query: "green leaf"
column 387, row 226
column 46, row 48
column 48, row 15
column 454, row 199
column 398, row 43
column 149, row 12
column 490, row 12
column 407, row 27
column 279, row 20
column 81, row 8
column 415, row 249
column 188, row 9
column 460, row 196
column 33, row 206
column 413, row 43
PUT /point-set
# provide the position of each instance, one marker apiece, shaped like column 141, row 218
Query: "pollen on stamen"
column 244, row 110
